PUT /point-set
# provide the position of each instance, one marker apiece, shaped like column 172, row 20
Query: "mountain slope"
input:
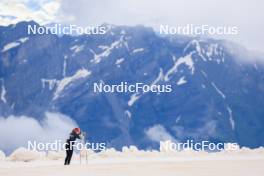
column 216, row 96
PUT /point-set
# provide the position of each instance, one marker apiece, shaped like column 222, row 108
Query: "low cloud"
column 158, row 133
column 16, row 131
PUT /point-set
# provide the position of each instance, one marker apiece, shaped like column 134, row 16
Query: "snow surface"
column 22, row 154
column 132, row 161
column 25, row 155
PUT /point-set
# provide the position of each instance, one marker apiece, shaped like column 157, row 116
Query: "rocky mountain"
column 217, row 94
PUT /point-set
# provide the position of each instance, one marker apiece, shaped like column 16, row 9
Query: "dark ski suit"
column 69, row 146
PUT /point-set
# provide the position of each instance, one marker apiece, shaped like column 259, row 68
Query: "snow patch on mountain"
column 128, row 114
column 10, row 46
column 64, row 65
column 82, row 73
column 178, row 119
column 231, row 119
column 103, row 47
column 76, row 49
column 218, row 90
column 133, row 98
column 211, row 50
column 119, row 61
column 14, row 44
column 50, row 82
column 23, row 40
column 203, row 72
column 107, row 51
column 198, row 48
column 181, row 81
column 3, row 92
column 137, row 50
column 187, row 60
column 159, row 78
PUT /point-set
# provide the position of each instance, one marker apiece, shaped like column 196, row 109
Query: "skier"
column 75, row 134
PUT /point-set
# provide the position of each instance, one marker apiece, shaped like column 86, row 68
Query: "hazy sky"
column 247, row 15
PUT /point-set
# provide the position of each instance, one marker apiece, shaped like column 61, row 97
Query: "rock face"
column 216, row 94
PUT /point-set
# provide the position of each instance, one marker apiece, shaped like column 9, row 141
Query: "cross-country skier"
column 75, row 134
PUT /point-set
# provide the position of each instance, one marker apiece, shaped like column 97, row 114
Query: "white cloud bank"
column 42, row 11
column 158, row 133
column 247, row 15
column 17, row 131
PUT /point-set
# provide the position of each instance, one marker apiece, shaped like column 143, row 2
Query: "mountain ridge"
column 215, row 97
